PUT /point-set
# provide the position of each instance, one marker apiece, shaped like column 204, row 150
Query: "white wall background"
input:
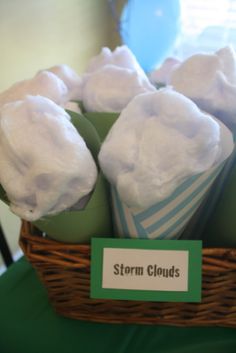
column 38, row 34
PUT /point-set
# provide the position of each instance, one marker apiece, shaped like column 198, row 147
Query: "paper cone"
column 219, row 230
column 79, row 226
column 87, row 131
column 168, row 218
column 102, row 122
column 205, row 223
column 95, row 219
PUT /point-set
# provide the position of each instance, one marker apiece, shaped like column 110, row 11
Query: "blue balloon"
column 150, row 28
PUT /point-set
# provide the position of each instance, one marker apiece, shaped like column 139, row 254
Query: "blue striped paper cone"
column 168, row 218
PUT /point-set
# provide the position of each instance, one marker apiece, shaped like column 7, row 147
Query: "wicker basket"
column 64, row 269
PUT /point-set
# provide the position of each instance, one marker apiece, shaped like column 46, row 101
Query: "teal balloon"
column 150, row 28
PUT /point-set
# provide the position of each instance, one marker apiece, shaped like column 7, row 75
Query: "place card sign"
column 150, row 270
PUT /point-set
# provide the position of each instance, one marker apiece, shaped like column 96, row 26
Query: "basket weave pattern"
column 64, row 269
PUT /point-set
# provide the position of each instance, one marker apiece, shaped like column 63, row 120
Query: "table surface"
column 28, row 324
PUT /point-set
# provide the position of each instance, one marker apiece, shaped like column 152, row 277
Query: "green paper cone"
column 102, row 122
column 95, row 219
column 220, row 230
column 87, row 131
column 80, row 226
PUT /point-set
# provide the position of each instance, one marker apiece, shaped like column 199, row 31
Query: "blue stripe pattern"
column 166, row 219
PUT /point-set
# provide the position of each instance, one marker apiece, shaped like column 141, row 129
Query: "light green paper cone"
column 102, row 122
column 220, row 230
column 95, row 219
column 80, row 226
column 87, row 131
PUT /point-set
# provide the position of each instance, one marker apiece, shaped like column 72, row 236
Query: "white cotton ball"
column 102, row 59
column 227, row 58
column 45, row 165
column 121, row 57
column 111, row 88
column 210, row 81
column 112, row 79
column 159, row 140
column 71, row 79
column 44, row 84
column 163, row 73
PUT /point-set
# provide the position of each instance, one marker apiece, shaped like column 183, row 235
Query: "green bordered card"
column 149, row 270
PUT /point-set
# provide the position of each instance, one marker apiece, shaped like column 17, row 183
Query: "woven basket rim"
column 64, row 270
column 27, row 228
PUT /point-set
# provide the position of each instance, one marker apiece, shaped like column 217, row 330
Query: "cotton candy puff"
column 112, row 79
column 44, row 84
column 210, row 81
column 162, row 74
column 45, row 165
column 160, row 139
column 121, row 56
column 70, row 78
column 111, row 88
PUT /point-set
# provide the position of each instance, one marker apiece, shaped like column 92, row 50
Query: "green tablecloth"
column 29, row 325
